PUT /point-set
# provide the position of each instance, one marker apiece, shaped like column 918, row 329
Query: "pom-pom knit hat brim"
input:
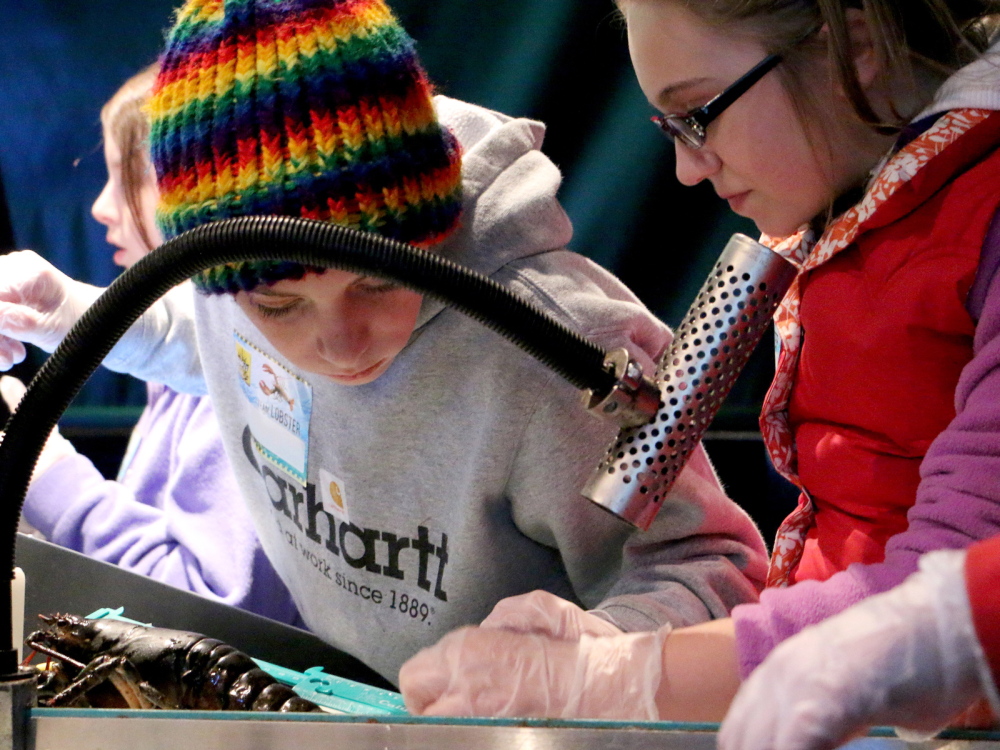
column 312, row 108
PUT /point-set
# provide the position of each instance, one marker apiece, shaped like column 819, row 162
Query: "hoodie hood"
column 976, row 86
column 510, row 210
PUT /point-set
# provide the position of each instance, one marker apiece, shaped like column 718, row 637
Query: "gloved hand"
column 12, row 390
column 543, row 613
column 38, row 304
column 908, row 657
column 484, row 672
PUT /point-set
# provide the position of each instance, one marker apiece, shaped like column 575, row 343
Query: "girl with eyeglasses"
column 862, row 139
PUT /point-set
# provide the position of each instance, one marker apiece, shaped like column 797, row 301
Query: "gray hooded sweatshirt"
column 399, row 510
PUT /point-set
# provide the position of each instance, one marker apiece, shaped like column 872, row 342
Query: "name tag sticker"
column 280, row 406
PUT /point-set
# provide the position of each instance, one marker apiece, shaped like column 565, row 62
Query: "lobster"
column 115, row 664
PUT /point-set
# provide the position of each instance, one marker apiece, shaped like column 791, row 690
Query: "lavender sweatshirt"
column 958, row 499
column 175, row 515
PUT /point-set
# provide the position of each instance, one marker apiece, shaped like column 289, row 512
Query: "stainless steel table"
column 73, row 729
column 60, row 580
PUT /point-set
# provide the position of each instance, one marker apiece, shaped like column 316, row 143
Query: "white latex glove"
column 483, row 672
column 56, row 447
column 38, row 304
column 908, row 657
column 546, row 614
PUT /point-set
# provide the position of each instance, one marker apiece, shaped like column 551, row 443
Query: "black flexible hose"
column 311, row 243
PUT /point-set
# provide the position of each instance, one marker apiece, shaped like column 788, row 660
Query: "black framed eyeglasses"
column 690, row 128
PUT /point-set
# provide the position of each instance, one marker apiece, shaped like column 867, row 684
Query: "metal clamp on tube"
column 634, row 399
column 709, row 350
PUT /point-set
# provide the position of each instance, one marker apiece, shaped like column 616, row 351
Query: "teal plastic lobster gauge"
column 336, row 693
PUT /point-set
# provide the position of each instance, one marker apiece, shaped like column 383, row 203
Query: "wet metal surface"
column 59, row 729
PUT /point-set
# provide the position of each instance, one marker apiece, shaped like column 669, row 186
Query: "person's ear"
column 867, row 57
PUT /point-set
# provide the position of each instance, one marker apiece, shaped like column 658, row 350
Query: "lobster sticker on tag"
column 280, row 406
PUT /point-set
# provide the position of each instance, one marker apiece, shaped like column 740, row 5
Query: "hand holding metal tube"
column 710, row 349
column 635, row 397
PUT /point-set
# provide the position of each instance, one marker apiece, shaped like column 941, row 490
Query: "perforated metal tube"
column 709, row 350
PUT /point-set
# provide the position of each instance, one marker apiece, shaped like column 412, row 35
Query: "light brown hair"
column 124, row 119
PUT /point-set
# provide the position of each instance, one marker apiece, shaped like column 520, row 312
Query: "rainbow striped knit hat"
column 312, row 108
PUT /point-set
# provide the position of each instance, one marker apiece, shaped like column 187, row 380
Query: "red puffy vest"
column 886, row 335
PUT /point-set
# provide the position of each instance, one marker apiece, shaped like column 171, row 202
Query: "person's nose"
column 695, row 165
column 105, row 210
column 342, row 340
